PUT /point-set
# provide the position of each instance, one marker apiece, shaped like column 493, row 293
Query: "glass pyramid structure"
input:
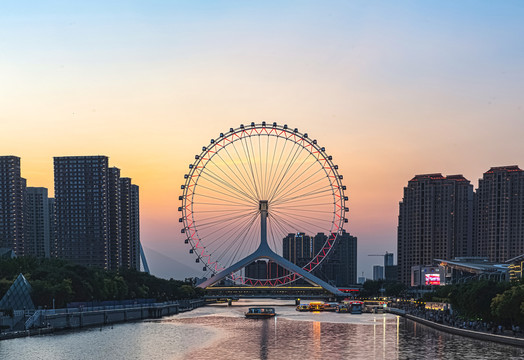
column 18, row 296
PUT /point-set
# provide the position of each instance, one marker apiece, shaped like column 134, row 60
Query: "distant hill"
column 166, row 267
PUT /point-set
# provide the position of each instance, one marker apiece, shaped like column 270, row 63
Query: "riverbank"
column 502, row 339
column 48, row 321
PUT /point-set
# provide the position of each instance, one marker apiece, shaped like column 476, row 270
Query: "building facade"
column 297, row 248
column 340, row 267
column 97, row 214
column 12, row 191
column 130, row 224
column 435, row 221
column 37, row 226
column 82, row 209
column 499, row 214
column 378, row 272
column 115, row 218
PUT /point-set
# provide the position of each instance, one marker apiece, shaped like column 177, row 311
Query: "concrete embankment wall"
column 463, row 332
column 78, row 318
column 75, row 318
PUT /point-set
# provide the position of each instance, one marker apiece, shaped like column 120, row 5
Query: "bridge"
column 281, row 292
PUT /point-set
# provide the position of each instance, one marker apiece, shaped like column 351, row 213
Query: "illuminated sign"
column 432, row 279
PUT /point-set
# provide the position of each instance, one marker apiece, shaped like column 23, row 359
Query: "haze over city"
column 390, row 89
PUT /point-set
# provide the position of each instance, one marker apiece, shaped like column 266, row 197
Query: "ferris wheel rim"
column 279, row 131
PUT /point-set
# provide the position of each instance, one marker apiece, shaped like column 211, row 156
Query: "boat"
column 356, row 307
column 260, row 313
column 343, row 308
column 315, row 306
column 302, row 308
column 330, row 306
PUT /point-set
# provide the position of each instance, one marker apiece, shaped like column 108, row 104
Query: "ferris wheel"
column 249, row 189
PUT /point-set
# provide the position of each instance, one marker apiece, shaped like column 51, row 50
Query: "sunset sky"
column 391, row 89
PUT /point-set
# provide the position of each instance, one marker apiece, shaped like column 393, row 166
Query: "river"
column 221, row 332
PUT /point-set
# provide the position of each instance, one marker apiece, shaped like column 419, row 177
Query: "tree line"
column 489, row 301
column 66, row 282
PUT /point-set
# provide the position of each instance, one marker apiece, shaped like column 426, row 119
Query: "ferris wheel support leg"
column 288, row 265
column 233, row 268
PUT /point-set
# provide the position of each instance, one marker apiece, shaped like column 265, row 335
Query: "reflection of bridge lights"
column 384, row 336
column 316, row 336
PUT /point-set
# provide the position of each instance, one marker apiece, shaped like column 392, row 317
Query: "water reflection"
column 221, row 332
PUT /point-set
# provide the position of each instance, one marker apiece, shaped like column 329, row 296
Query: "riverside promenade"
column 47, row 321
column 479, row 335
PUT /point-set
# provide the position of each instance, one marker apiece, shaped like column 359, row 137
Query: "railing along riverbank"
column 479, row 335
column 47, row 321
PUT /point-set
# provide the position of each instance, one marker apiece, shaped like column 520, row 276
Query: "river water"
column 221, row 332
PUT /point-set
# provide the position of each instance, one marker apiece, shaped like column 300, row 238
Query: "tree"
column 506, row 307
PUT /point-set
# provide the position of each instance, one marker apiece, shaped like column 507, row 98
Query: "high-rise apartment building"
column 52, row 227
column 340, row 267
column 378, row 272
column 82, row 208
column 297, row 248
column 115, row 218
column 388, row 259
column 262, row 269
column 12, row 189
column 435, row 221
column 499, row 214
column 37, row 226
column 130, row 224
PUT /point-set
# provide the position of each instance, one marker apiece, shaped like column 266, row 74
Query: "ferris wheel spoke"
column 266, row 195
column 245, row 147
column 275, row 238
column 285, row 169
column 234, row 184
column 243, row 183
column 229, row 187
column 233, row 236
column 291, row 181
column 221, row 192
column 297, row 191
column 246, row 245
column 222, row 236
column 304, row 196
column 258, row 175
column 293, row 207
column 222, row 204
column 302, row 216
column 241, row 211
column 227, row 252
column 244, row 167
column 238, row 243
column 220, row 219
column 264, row 190
column 297, row 227
column 298, row 223
column 274, row 175
column 238, row 173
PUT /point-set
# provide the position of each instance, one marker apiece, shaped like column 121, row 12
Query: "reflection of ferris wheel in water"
column 250, row 188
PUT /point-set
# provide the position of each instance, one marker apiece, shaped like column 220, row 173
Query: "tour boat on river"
column 260, row 313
